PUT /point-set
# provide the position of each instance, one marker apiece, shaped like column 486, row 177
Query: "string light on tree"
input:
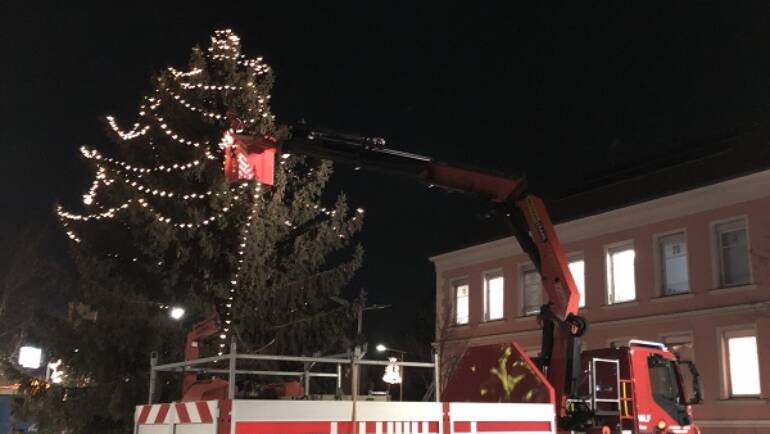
column 202, row 86
column 138, row 130
column 191, row 73
column 244, row 238
column 169, row 211
column 94, row 154
column 205, row 113
column 108, row 214
column 101, row 176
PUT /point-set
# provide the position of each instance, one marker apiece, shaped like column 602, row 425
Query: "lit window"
column 532, row 294
column 620, row 274
column 733, row 253
column 461, row 303
column 577, row 267
column 673, row 264
column 493, row 296
column 742, row 363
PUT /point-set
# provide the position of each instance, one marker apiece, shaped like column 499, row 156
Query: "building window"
column 461, row 303
column 532, row 290
column 732, row 253
column 577, row 267
column 672, row 251
column 620, row 274
column 740, row 347
column 493, row 296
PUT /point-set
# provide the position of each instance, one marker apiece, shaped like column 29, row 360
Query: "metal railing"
column 354, row 360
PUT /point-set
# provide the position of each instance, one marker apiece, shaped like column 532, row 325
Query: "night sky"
column 570, row 95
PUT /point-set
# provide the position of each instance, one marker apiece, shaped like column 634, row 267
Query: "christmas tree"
column 164, row 227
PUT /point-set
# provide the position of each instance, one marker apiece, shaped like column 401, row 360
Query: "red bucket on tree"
column 249, row 158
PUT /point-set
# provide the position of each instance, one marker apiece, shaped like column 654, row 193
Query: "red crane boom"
column 529, row 221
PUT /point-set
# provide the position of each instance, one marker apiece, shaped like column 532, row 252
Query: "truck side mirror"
column 697, row 396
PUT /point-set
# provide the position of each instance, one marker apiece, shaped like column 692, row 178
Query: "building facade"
column 690, row 270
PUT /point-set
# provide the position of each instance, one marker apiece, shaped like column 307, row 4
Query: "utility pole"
column 360, row 309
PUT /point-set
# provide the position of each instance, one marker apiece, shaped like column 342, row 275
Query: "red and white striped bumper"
column 181, row 413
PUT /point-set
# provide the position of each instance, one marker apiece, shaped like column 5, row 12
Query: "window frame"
column 608, row 281
column 455, row 284
column 523, row 269
column 724, row 334
column 660, row 267
column 716, row 251
column 485, row 277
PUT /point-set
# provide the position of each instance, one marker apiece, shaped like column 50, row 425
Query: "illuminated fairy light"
column 94, row 154
column 230, row 42
column 183, row 224
column 225, row 45
column 161, row 218
column 224, row 57
column 169, row 132
column 225, row 42
column 112, row 213
column 258, row 67
column 70, row 233
column 191, row 107
column 202, row 86
column 137, row 131
column 203, row 112
column 178, row 138
column 89, row 197
column 136, row 185
column 166, row 193
column 190, row 73
column 227, row 140
column 154, row 104
column 73, row 236
column 108, row 214
column 244, row 240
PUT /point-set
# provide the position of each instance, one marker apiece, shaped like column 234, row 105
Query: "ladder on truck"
column 605, row 387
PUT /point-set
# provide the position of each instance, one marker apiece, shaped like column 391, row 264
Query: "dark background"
column 578, row 96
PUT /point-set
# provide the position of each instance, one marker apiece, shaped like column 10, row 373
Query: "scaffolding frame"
column 354, row 361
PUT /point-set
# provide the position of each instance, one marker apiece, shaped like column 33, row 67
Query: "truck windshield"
column 666, row 389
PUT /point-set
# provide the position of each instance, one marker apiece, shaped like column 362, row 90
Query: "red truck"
column 636, row 389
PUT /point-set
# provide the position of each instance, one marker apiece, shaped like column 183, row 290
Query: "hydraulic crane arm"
column 529, row 222
column 529, row 218
column 200, row 330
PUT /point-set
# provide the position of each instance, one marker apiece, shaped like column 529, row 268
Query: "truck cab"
column 638, row 388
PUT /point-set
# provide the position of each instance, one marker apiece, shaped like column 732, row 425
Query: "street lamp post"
column 382, row 348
